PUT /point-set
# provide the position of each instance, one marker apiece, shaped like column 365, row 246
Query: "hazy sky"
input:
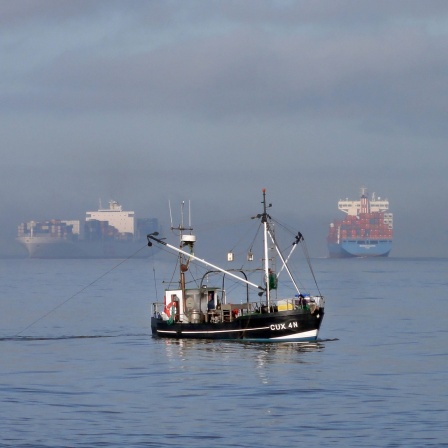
column 211, row 101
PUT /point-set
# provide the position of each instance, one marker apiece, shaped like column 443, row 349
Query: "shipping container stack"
column 54, row 228
column 369, row 226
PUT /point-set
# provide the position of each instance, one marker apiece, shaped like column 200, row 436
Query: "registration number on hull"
column 285, row 326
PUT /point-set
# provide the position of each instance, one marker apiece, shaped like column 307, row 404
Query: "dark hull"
column 282, row 326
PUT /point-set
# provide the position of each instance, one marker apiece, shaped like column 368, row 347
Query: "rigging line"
column 255, row 237
column 306, row 253
column 285, row 227
column 304, row 248
column 175, row 267
column 79, row 292
column 242, row 236
column 285, row 262
column 308, row 259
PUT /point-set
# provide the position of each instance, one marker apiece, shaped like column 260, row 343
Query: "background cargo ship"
column 366, row 231
column 106, row 233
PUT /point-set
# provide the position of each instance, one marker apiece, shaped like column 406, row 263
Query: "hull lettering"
column 276, row 327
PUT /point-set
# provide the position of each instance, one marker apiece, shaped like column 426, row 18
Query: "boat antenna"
column 182, row 214
column 189, row 214
column 171, row 215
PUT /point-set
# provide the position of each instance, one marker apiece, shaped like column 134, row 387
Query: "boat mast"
column 264, row 220
column 184, row 241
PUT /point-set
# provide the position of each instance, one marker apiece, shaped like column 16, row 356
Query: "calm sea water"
column 80, row 369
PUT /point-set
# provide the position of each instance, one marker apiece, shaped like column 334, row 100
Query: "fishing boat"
column 273, row 313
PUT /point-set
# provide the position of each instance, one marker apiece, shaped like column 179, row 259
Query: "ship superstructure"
column 366, row 230
column 122, row 222
column 107, row 233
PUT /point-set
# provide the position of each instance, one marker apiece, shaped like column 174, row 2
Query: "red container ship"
column 366, row 230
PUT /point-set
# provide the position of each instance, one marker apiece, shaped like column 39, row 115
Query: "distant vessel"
column 366, row 231
column 107, row 233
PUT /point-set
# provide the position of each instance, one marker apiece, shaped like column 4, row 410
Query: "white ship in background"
column 106, row 233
